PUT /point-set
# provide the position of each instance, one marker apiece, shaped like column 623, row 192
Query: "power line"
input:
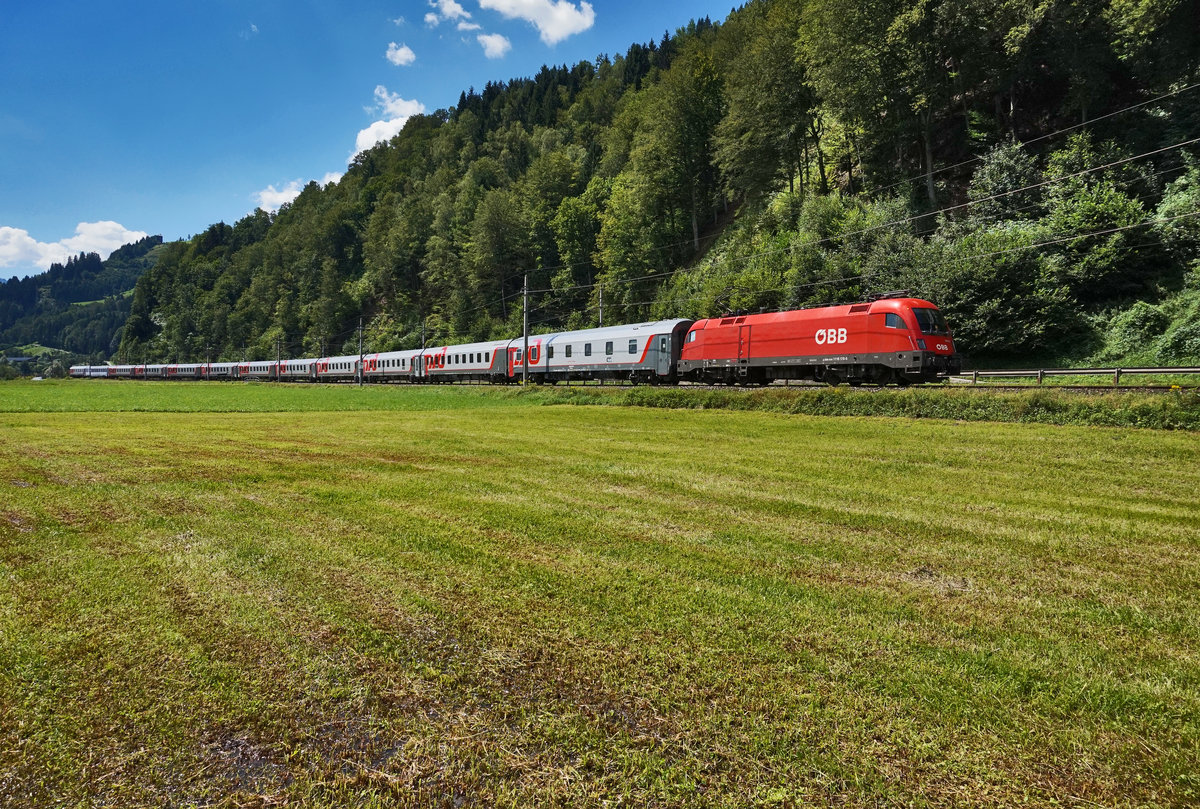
column 1039, row 138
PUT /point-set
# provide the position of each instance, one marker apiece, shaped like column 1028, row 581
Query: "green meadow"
column 447, row 597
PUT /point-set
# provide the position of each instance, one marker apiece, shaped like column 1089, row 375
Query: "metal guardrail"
column 1042, row 373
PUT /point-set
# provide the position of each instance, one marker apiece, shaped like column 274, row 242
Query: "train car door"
column 743, row 360
column 743, row 343
column 664, row 354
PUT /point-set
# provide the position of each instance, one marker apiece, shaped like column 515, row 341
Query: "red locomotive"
column 893, row 339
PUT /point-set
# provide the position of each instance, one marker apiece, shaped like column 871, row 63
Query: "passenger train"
column 893, row 339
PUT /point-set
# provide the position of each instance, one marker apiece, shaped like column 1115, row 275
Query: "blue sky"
column 123, row 119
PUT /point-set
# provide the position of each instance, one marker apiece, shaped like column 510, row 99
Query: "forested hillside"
column 78, row 307
column 1031, row 167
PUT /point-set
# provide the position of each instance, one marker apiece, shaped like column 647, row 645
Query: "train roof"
column 625, row 329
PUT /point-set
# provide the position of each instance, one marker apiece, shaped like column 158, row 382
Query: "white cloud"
column 400, row 55
column 18, row 248
column 446, row 10
column 469, row 26
column 494, row 45
column 395, row 106
column 396, row 112
column 555, row 19
column 272, row 199
column 398, row 21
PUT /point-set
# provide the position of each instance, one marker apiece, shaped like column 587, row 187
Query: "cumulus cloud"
column 395, row 111
column 19, row 249
column 494, row 45
column 469, row 26
column 271, row 199
column 555, row 20
column 400, row 55
column 445, row 10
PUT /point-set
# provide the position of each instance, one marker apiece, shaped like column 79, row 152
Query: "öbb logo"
column 830, row 336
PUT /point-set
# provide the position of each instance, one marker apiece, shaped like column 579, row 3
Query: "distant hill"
column 80, row 306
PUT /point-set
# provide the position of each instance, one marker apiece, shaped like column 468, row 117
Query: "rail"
column 1042, row 373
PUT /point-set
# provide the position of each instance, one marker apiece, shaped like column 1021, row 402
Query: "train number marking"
column 830, row 336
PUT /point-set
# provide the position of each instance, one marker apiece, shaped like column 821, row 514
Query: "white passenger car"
column 483, row 362
column 642, row 352
column 338, row 369
column 393, row 366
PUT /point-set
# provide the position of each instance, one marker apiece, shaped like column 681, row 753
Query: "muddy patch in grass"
column 930, row 578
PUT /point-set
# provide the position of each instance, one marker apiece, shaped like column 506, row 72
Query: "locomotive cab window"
column 894, row 321
column 931, row 321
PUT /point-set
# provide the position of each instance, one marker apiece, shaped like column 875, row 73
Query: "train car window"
column 633, row 346
column 550, row 353
column 487, row 356
column 894, row 321
column 568, row 351
column 662, row 344
column 930, row 321
column 587, row 349
column 608, row 349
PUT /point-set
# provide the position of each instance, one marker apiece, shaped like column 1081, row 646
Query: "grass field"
column 1177, row 410
column 449, row 598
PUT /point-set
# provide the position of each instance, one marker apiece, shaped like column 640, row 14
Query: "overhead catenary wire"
column 919, row 177
column 894, row 222
column 746, row 258
column 1046, row 136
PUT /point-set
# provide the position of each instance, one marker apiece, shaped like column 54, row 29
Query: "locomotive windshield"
column 931, row 321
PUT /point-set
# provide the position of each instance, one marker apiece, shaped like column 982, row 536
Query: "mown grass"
column 113, row 395
column 1174, row 410
column 587, row 606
